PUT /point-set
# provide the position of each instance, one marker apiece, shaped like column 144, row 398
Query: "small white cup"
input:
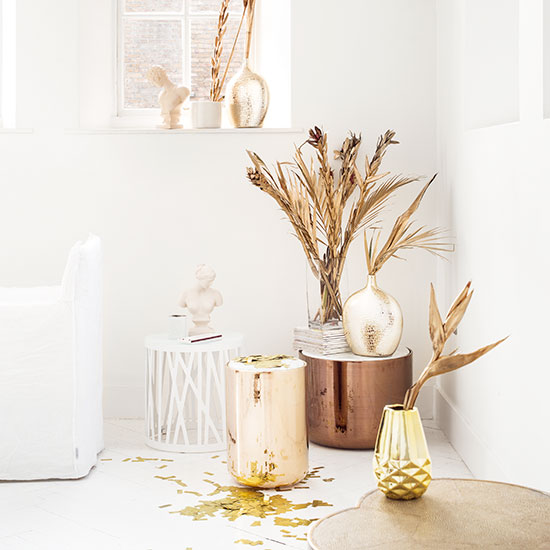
column 178, row 327
column 206, row 114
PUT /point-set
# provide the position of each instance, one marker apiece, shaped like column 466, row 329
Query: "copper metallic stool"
column 346, row 395
column 266, row 420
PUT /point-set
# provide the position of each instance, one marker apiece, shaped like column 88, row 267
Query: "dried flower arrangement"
column 218, row 80
column 440, row 332
column 404, row 236
column 315, row 200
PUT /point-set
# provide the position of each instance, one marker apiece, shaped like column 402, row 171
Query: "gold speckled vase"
column 247, row 98
column 267, row 443
column 373, row 322
column 402, row 463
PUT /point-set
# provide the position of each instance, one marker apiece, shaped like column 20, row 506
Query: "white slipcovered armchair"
column 51, row 421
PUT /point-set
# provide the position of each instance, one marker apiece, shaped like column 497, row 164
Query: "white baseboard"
column 481, row 461
column 425, row 402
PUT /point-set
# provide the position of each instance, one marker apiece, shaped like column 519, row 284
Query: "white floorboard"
column 117, row 506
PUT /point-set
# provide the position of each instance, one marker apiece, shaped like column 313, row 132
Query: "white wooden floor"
column 121, row 504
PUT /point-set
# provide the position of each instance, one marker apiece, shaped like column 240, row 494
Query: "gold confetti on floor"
column 215, row 456
column 301, row 538
column 256, row 523
column 250, row 542
column 284, row 531
column 294, row 522
column 126, row 460
column 167, row 460
column 242, row 501
column 165, row 505
column 141, row 459
column 105, row 459
column 163, row 466
column 209, row 473
column 328, row 479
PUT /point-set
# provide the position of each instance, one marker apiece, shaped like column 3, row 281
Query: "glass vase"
column 324, row 307
column 402, row 463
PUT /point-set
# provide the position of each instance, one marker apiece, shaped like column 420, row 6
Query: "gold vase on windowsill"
column 247, row 94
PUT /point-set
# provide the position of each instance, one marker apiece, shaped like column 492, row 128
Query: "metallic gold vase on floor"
column 266, row 420
column 247, row 98
column 401, row 460
column 373, row 322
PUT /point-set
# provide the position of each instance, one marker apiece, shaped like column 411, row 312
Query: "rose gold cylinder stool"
column 266, row 420
column 346, row 395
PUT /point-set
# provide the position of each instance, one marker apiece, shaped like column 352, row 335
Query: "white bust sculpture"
column 201, row 300
column 171, row 97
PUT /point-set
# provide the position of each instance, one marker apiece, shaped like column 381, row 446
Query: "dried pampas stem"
column 217, row 83
column 440, row 332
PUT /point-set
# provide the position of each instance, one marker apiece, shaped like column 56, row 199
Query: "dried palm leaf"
column 328, row 208
column 440, row 332
column 404, row 236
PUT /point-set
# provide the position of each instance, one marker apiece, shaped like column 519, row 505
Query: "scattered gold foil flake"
column 256, row 523
column 141, row 459
column 293, row 536
column 179, row 482
column 284, row 531
column 180, row 491
column 126, row 460
column 302, row 487
column 105, row 459
column 244, row 501
column 250, row 542
column 165, row 477
column 193, row 493
column 163, row 466
column 167, row 460
column 294, row 522
column 165, row 505
column 328, row 479
column 215, row 456
column 264, row 361
column 224, row 461
column 301, row 538
column 209, row 473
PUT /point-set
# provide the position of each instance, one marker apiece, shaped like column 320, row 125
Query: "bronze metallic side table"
column 453, row 514
column 346, row 395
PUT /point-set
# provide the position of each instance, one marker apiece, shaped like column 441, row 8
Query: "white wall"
column 163, row 203
column 495, row 412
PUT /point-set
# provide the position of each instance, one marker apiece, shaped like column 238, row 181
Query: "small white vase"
column 373, row 322
column 206, row 114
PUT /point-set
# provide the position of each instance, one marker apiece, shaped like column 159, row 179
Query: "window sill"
column 16, row 131
column 194, row 131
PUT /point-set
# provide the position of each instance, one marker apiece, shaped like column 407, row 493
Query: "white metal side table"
column 185, row 392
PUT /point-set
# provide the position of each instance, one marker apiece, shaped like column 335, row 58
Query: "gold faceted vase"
column 247, row 98
column 402, row 463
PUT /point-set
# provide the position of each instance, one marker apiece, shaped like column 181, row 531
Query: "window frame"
column 186, row 17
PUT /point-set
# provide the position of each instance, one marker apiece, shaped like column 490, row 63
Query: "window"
column 179, row 36
column 7, row 63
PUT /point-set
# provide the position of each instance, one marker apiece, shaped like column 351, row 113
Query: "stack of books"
column 322, row 341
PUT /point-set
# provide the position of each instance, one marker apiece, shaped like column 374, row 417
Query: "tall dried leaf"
column 437, row 332
column 449, row 363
